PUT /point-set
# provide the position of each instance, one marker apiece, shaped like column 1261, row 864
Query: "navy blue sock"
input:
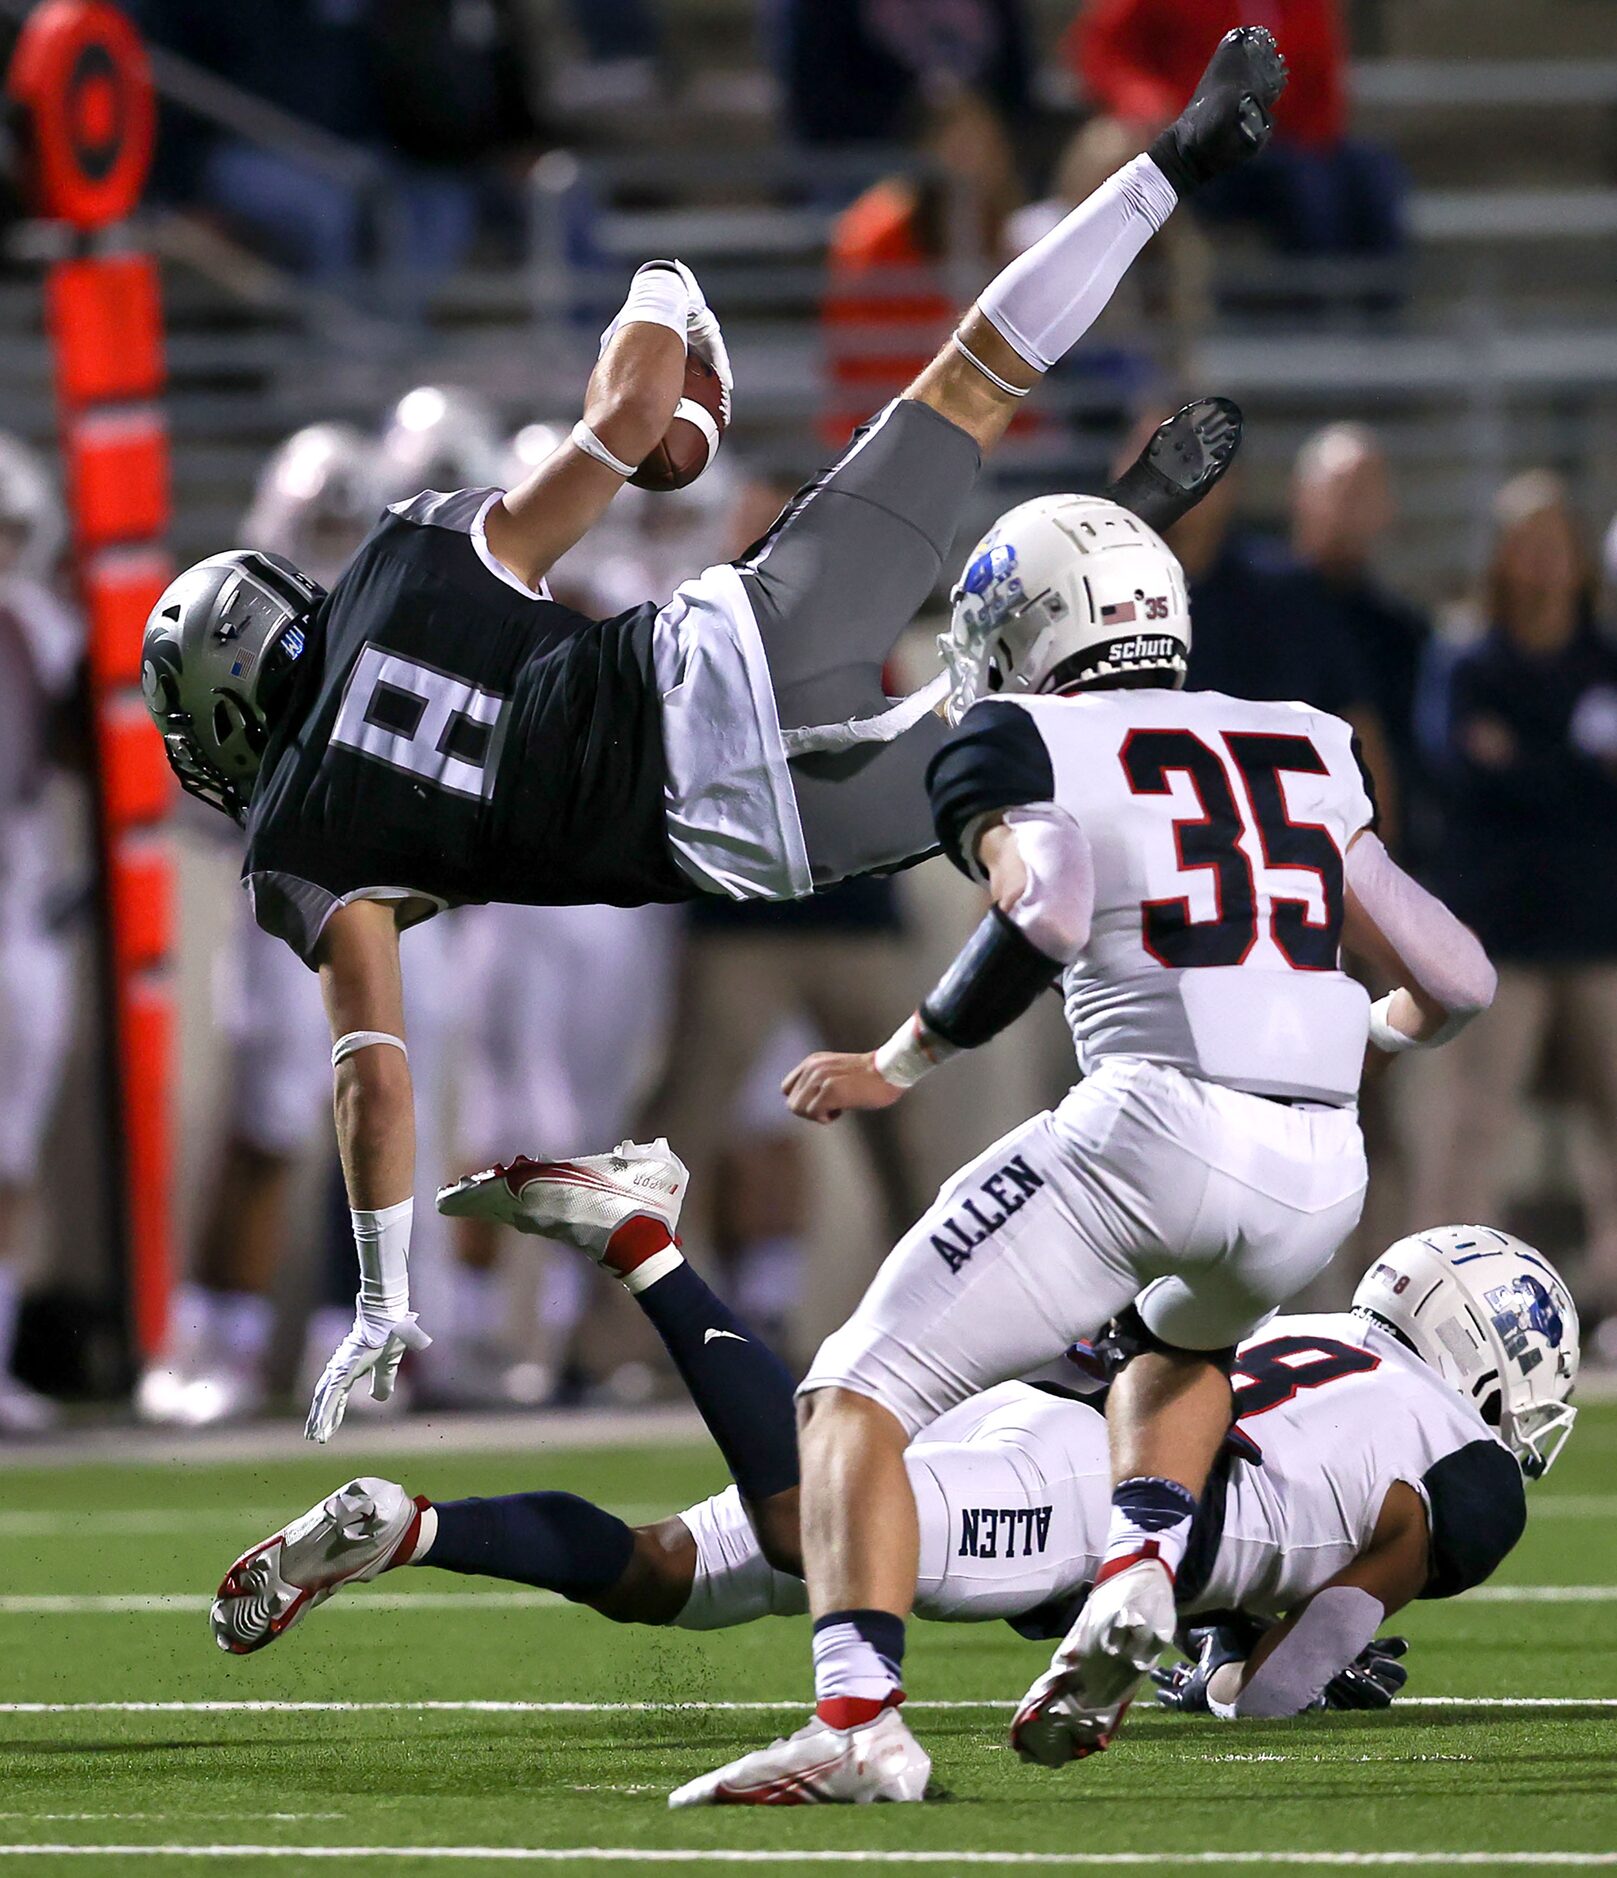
column 742, row 1389
column 553, row 1540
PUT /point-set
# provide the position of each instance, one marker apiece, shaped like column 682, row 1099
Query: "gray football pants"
column 854, row 556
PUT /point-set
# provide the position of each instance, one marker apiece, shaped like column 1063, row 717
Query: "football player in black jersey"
column 438, row 730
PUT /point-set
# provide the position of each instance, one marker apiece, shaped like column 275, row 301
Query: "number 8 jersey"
column 457, row 738
column 1219, row 828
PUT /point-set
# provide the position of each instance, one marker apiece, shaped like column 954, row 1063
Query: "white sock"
column 427, row 1532
column 1049, row 297
column 1151, row 1518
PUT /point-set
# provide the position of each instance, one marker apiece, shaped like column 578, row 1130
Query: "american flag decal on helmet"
column 1122, row 614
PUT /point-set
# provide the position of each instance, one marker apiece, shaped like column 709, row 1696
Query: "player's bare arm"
column 1443, row 976
column 1293, row 1663
column 1036, row 866
column 628, row 406
column 358, row 960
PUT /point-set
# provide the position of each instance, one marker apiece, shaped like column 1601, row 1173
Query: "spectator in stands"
column 40, row 649
column 894, row 251
column 1263, row 627
column 850, row 69
column 1316, row 190
column 1341, row 510
column 1527, row 742
column 426, row 88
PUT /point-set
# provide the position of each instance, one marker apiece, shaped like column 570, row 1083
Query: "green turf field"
column 104, row 1575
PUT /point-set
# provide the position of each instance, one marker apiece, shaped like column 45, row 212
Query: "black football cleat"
column 1230, row 117
column 1184, row 459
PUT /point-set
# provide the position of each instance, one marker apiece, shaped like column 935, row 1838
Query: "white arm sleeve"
column 1058, row 902
column 1443, row 957
column 1049, row 297
column 1338, row 1623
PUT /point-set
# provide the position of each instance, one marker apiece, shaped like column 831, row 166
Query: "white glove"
column 371, row 1349
column 668, row 294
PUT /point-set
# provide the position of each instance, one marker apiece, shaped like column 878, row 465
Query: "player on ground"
column 437, row 730
column 1374, row 1464
column 1194, row 864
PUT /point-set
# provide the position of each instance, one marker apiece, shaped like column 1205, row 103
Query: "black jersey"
column 452, row 738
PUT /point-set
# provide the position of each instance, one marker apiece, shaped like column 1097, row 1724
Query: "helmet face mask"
column 1064, row 592
column 1495, row 1320
column 216, row 664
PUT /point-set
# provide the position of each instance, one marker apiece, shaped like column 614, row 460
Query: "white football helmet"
column 440, row 437
column 316, row 499
column 1494, row 1318
column 1060, row 592
column 32, row 523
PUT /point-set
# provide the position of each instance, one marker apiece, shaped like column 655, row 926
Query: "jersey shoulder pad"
column 1478, row 1512
column 997, row 759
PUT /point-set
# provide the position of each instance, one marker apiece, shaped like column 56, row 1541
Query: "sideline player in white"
column 1377, row 1457
column 41, row 644
column 1195, row 864
column 437, row 730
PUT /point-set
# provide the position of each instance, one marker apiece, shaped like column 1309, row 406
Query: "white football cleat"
column 352, row 1535
column 585, row 1203
column 820, row 1766
column 1078, row 1704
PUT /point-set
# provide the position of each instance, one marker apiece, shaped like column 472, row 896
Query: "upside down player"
column 437, row 730
column 1378, row 1457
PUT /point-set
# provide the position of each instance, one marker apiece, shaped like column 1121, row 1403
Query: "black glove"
column 1184, row 1687
column 1372, row 1679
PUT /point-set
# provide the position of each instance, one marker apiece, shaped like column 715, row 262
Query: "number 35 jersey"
column 453, row 738
column 1219, row 828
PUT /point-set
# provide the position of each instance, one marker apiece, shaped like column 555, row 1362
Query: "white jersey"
column 1219, row 829
column 1013, row 1492
column 1341, row 1410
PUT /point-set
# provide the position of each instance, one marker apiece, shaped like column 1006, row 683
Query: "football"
column 692, row 439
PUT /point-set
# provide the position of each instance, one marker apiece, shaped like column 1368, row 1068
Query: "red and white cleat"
column 820, row 1766
column 1078, row 1704
column 622, row 1208
column 354, row 1534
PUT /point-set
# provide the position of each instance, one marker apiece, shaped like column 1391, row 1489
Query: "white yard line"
column 190, row 1603
column 273, row 1706
column 706, row 1855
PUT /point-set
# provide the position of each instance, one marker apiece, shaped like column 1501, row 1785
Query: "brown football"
column 692, row 439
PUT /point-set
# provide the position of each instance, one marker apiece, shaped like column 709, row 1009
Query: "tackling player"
column 1192, row 865
column 436, row 729
column 1377, row 1457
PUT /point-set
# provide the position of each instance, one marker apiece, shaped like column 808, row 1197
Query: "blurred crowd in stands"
column 1490, row 730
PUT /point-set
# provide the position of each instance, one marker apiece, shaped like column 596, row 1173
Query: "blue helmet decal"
column 1522, row 1309
column 991, row 579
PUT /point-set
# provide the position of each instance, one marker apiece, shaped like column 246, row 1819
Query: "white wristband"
column 353, row 1041
column 382, row 1239
column 586, row 440
column 1386, row 1035
column 659, row 296
column 911, row 1052
column 993, row 377
column 1224, row 1690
